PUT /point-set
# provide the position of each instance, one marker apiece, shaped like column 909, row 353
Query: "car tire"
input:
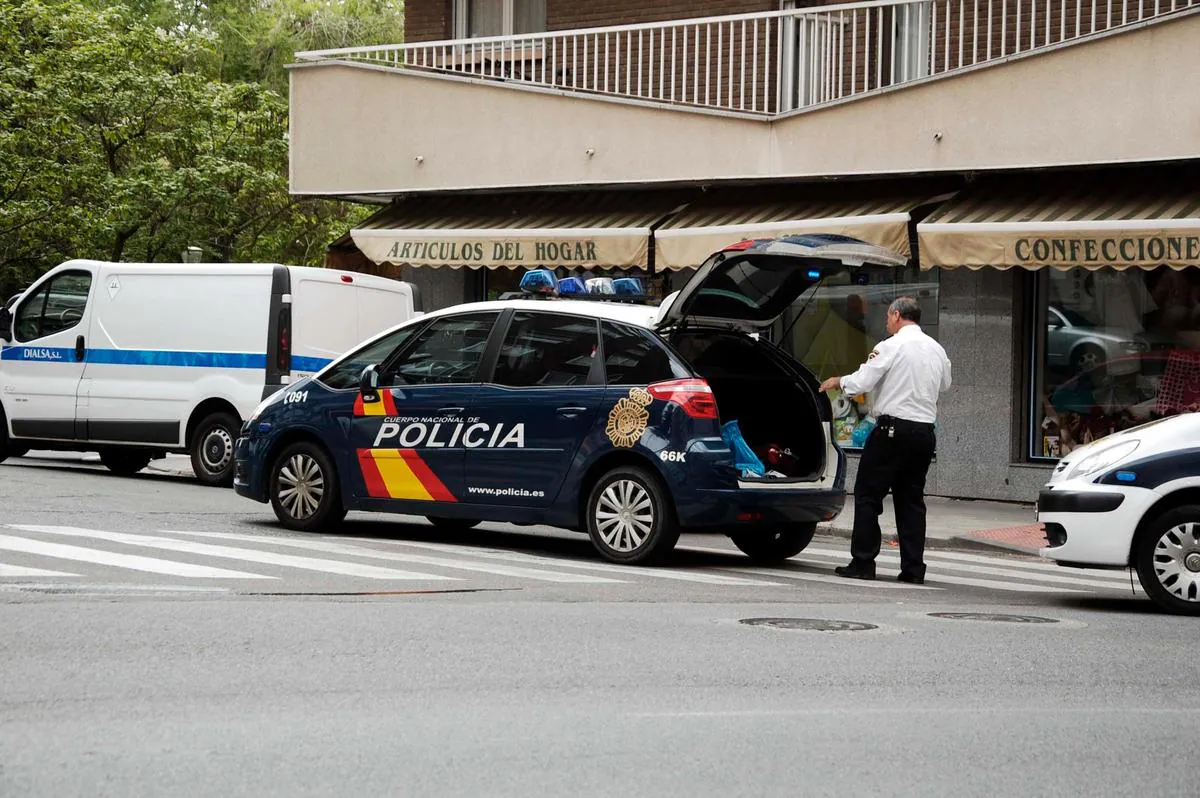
column 7, row 448
column 785, row 541
column 648, row 532
column 212, row 449
column 1089, row 358
column 15, row 451
column 303, row 488
column 125, row 462
column 1167, row 559
column 452, row 524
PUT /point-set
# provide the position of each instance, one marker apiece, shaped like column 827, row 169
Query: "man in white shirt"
column 907, row 372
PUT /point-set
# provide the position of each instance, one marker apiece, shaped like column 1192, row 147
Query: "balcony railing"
column 773, row 62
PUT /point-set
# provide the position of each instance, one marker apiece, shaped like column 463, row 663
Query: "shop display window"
column 832, row 329
column 1112, row 349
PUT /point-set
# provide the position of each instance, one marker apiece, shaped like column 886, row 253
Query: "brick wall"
column 428, row 20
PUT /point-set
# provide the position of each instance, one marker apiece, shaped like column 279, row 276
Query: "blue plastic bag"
column 862, row 431
column 744, row 457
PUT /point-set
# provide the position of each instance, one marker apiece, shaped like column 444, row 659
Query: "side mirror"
column 368, row 384
column 6, row 322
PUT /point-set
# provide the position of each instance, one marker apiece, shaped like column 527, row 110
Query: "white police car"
column 609, row 418
column 1132, row 500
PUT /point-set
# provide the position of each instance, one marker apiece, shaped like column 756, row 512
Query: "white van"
column 134, row 360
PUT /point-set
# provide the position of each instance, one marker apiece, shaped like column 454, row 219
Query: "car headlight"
column 1105, row 458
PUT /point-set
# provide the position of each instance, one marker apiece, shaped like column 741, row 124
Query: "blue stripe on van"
column 158, row 357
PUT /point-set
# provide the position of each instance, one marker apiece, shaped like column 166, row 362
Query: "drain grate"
column 810, row 624
column 991, row 616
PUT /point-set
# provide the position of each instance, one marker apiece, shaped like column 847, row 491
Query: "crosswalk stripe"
column 827, row 578
column 418, row 559
column 62, row 551
column 996, row 568
column 985, row 559
column 231, row 553
column 676, row 574
column 21, row 571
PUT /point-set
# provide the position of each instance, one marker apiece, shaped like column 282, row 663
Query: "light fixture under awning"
column 690, row 237
column 571, row 230
column 1101, row 225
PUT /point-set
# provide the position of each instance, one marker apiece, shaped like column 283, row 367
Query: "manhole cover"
column 990, row 616
column 810, row 624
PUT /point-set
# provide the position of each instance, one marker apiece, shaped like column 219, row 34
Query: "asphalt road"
column 164, row 638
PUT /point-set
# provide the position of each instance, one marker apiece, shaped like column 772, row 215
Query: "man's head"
column 902, row 312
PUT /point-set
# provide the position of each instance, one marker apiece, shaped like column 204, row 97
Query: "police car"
column 1132, row 500
column 607, row 417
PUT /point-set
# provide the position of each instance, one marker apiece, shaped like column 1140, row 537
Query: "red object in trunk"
column 692, row 394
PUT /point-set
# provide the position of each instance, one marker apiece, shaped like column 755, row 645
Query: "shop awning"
column 575, row 229
column 1115, row 224
column 707, row 226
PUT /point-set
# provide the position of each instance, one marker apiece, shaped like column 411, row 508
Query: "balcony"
column 862, row 88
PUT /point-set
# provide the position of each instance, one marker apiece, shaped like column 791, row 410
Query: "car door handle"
column 570, row 412
column 80, row 349
column 451, row 409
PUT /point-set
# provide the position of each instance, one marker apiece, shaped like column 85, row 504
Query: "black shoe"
column 853, row 571
column 912, row 579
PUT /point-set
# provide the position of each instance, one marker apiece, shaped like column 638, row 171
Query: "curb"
column 990, row 545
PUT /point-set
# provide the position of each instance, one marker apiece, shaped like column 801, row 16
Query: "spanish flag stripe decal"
column 386, row 406
column 425, row 474
column 376, row 488
column 389, row 402
column 401, row 482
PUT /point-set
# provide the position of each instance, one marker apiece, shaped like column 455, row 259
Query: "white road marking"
column 360, row 551
column 984, row 559
column 21, row 571
column 827, row 578
column 629, row 571
column 62, row 551
column 231, row 553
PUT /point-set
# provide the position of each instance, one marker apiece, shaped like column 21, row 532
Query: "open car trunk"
column 772, row 406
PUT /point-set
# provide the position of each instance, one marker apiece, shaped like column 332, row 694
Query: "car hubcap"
column 217, row 451
column 301, row 486
column 624, row 516
column 1177, row 561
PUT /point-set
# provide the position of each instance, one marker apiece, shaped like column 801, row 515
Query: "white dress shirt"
column 907, row 372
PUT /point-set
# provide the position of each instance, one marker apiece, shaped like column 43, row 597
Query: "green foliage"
column 128, row 132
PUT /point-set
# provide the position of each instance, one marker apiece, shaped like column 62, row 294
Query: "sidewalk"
column 958, row 523
column 951, row 523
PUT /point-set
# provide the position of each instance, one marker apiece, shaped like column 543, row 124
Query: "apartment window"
column 911, row 35
column 475, row 18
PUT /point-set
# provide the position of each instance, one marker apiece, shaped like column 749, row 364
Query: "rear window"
column 634, row 356
column 755, row 289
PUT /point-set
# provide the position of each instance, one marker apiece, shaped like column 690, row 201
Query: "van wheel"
column 630, row 519
column 304, row 488
column 125, row 462
column 7, row 448
column 1167, row 558
column 212, row 449
column 787, row 540
column 452, row 524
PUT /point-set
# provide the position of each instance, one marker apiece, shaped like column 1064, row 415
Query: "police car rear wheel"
column 1168, row 560
column 629, row 518
column 124, row 462
column 304, row 488
column 212, row 449
column 776, row 545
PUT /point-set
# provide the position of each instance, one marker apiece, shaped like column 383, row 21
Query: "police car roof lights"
column 539, row 281
column 541, row 284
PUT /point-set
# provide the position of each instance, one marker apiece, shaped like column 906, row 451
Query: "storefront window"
column 833, row 328
column 1114, row 349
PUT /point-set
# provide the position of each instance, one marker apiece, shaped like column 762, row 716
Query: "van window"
column 633, row 356
column 547, row 349
column 55, row 306
column 449, row 350
column 346, row 373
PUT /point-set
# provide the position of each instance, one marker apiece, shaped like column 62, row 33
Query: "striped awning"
column 707, row 226
column 563, row 229
column 1122, row 225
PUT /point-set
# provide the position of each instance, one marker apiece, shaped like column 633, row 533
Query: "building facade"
column 1036, row 162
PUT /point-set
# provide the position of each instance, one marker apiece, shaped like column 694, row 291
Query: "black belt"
column 902, row 423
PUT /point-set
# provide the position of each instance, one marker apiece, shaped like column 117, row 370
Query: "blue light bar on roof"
column 539, row 281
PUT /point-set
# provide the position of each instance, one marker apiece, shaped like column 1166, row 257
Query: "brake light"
column 283, row 350
column 692, row 394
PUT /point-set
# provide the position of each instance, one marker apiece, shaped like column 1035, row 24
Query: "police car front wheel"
column 304, row 488
column 629, row 517
column 1167, row 558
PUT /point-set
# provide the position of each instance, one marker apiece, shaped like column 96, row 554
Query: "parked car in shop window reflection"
column 1074, row 342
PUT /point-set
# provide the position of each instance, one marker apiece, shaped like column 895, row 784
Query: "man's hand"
column 830, row 384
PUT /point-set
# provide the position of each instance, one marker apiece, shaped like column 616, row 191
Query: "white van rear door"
column 43, row 363
column 380, row 309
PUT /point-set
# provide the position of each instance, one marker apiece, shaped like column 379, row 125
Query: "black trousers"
column 896, row 458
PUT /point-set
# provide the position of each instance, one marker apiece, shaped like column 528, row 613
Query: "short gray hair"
column 907, row 307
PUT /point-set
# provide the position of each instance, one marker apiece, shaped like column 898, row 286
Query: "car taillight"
column 283, row 349
column 693, row 395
